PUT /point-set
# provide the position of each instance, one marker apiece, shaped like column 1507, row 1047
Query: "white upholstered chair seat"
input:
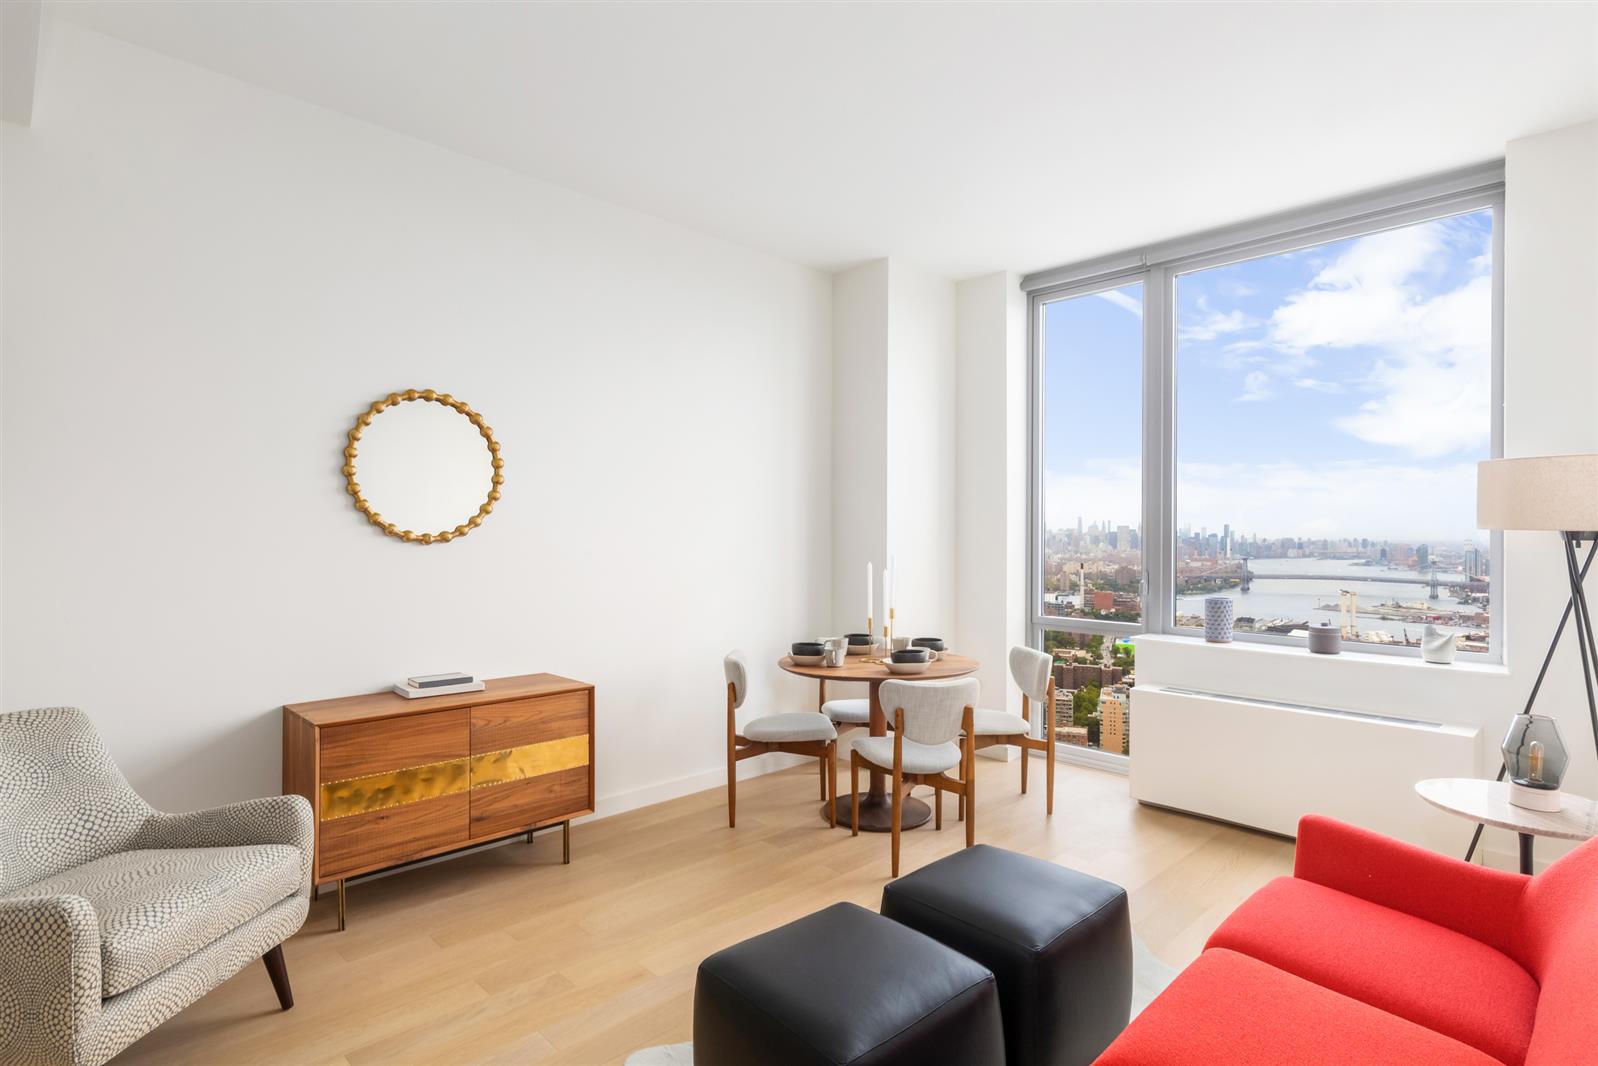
column 793, row 726
column 918, row 758
column 848, row 712
column 998, row 723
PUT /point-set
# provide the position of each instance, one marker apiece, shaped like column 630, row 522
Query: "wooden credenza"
column 393, row 780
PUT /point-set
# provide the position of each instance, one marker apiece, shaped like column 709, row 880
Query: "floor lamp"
column 1557, row 493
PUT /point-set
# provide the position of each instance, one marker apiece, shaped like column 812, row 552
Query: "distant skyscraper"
column 1113, row 720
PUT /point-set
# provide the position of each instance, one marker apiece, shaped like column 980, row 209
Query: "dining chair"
column 796, row 732
column 932, row 735
column 1034, row 676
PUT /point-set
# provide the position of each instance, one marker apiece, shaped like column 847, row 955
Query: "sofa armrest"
column 50, row 974
column 1473, row 900
column 268, row 820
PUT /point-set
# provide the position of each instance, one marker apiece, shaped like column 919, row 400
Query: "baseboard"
column 649, row 795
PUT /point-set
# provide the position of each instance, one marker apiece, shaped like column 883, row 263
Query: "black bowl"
column 858, row 639
column 809, row 647
column 935, row 643
column 912, row 655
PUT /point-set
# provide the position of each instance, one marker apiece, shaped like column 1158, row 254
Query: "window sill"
column 1282, row 651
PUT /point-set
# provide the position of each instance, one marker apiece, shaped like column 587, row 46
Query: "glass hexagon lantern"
column 1536, row 759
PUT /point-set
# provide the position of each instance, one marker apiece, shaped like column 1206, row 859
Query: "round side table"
column 1488, row 802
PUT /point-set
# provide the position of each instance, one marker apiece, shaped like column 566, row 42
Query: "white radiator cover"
column 1264, row 765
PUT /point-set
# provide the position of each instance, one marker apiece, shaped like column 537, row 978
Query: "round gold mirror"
column 422, row 466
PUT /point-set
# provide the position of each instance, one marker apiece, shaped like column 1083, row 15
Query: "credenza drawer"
column 398, row 743
column 498, row 726
column 392, row 835
column 548, row 797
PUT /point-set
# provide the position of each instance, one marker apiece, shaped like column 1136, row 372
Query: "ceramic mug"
column 900, row 643
column 837, row 651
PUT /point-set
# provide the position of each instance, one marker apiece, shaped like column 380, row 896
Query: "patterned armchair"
column 115, row 916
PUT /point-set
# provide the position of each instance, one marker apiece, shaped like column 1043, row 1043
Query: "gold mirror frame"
column 394, row 399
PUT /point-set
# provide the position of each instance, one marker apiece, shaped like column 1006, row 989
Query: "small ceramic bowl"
column 807, row 648
column 860, row 638
column 934, row 643
column 912, row 655
column 808, row 660
column 908, row 668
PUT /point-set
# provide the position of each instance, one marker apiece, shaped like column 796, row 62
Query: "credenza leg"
column 566, row 842
column 529, row 836
column 341, row 904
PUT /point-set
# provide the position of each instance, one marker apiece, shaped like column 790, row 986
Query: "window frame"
column 1157, row 267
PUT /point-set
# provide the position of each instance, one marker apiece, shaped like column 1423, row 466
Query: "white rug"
column 1149, row 978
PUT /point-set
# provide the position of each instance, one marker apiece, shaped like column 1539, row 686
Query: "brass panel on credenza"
column 393, row 780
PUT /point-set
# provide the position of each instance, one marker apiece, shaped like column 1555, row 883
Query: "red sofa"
column 1377, row 953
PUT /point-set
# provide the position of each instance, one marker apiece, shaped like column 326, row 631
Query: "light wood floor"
column 505, row 956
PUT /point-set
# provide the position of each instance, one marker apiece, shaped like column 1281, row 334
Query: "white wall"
column 991, row 472
column 859, row 429
column 204, row 283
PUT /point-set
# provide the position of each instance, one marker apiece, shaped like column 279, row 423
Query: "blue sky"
column 1339, row 390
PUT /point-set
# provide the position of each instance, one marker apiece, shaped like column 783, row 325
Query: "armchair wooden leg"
column 278, row 971
column 898, row 815
column 854, row 794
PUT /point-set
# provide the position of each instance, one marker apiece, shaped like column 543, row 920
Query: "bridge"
column 1432, row 579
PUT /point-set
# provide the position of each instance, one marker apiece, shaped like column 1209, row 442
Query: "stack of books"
column 415, row 688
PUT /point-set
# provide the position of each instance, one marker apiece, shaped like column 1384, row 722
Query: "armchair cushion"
column 1470, row 991
column 156, row 907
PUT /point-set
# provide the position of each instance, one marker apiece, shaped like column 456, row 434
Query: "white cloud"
column 1428, row 392
column 1256, row 387
column 1123, row 301
column 1212, row 324
column 1317, row 385
column 1397, row 501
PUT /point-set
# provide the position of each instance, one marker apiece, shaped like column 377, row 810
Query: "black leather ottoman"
column 845, row 986
column 1059, row 942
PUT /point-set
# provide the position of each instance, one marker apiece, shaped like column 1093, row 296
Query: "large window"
column 1288, row 414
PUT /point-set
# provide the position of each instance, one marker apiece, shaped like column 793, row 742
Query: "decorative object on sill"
column 411, row 691
column 1437, row 645
column 439, row 680
column 1218, row 613
column 1325, row 639
column 422, row 469
column 1551, row 493
column 1536, row 760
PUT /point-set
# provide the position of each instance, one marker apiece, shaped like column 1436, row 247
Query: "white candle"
column 870, row 590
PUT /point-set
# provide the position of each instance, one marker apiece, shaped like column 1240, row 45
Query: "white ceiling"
column 967, row 138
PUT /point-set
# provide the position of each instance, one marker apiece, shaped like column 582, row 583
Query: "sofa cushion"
column 1232, row 1009
column 156, row 908
column 1402, row 964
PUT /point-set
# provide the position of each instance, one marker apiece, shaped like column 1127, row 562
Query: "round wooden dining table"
column 876, row 809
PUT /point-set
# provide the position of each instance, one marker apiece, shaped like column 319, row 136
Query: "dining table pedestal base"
column 876, row 813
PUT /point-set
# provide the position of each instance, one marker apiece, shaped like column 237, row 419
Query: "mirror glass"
column 424, row 466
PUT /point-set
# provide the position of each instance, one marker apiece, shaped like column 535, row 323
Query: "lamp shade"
column 1557, row 492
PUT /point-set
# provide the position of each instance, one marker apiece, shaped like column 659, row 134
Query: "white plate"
column 906, row 668
column 862, row 649
column 807, row 660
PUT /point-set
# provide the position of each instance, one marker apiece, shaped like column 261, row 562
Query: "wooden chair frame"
column 963, row 786
column 740, row 748
column 1026, row 742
